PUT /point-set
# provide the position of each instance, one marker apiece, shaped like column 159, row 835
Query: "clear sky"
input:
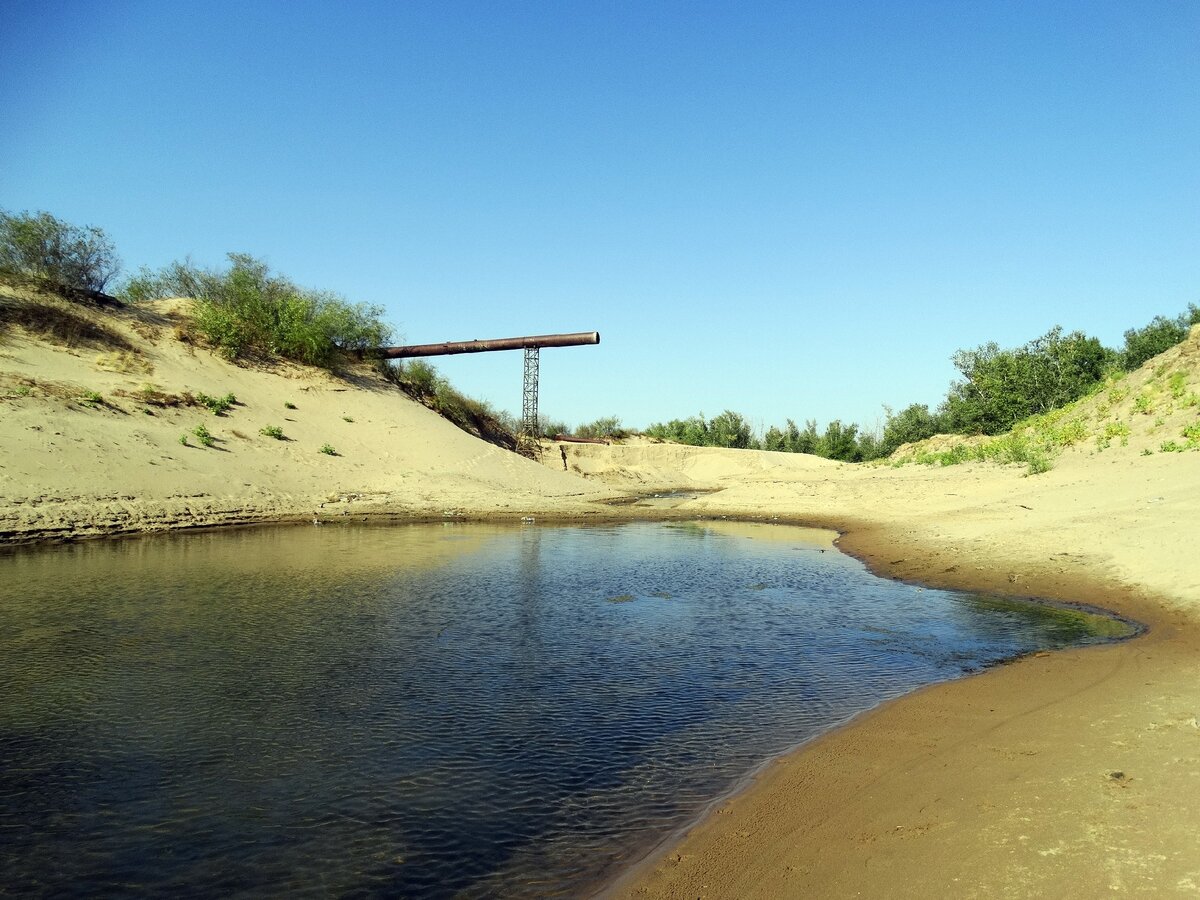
column 788, row 209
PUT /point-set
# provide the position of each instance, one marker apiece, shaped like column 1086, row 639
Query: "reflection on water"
column 433, row 711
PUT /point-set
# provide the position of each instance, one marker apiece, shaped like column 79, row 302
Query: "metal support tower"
column 529, row 394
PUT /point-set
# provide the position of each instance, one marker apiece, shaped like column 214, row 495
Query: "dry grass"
column 57, row 322
column 152, row 395
column 124, row 362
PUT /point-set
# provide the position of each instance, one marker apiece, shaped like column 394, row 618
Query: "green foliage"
column 272, row 431
column 913, row 423
column 729, row 429
column 797, row 441
column 288, row 404
column 203, row 436
column 547, row 428
column 92, row 398
column 184, row 440
column 63, row 256
column 1112, row 430
column 1002, row 387
column 692, row 431
column 840, row 442
column 217, row 405
column 604, row 427
column 419, row 378
column 1160, row 334
column 774, row 440
column 247, row 309
column 422, row 382
column 328, row 450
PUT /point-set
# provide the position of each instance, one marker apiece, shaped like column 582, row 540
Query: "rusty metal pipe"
column 449, row 348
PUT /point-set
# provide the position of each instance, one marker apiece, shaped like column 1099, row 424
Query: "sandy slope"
column 1068, row 773
column 72, row 467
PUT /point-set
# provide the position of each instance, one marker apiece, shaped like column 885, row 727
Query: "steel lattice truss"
column 529, row 393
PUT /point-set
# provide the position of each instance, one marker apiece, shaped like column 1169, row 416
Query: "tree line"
column 997, row 388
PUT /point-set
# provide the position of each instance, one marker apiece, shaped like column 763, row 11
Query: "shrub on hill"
column 1158, row 335
column 67, row 258
column 913, row 423
column 422, row 382
column 1002, row 387
column 247, row 309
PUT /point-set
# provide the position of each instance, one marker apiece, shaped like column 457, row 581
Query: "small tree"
column 839, row 442
column 774, row 439
column 64, row 256
column 729, row 429
column 805, row 441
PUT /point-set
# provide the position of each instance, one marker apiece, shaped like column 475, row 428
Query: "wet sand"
column 1068, row 773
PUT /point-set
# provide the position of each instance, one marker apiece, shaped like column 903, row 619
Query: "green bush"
column 913, row 423
column 203, row 436
column 604, row 427
column 1002, row 387
column 1158, row 335
column 692, row 431
column 729, row 429
column 63, row 256
column 547, row 427
column 419, row 378
column 840, row 442
column 272, row 431
column 246, row 309
column 217, row 405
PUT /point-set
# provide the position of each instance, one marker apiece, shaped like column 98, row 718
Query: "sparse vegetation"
column 272, row 431
column 124, row 362
column 327, row 450
column 203, row 435
column 92, row 398
column 217, row 405
column 1112, row 430
column 288, row 404
column 62, row 323
column 348, row 419
column 422, row 382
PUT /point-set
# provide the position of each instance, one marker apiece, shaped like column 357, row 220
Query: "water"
column 433, row 711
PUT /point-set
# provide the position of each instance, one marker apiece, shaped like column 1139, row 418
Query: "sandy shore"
column 1064, row 773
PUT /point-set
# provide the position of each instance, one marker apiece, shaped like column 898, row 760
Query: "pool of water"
column 434, row 711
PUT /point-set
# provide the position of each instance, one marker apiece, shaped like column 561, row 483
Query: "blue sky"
column 787, row 209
